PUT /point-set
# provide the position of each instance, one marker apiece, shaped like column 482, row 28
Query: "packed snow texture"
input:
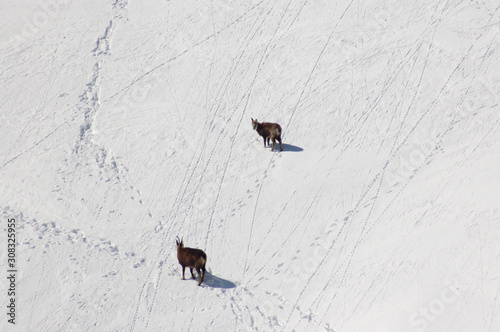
column 127, row 123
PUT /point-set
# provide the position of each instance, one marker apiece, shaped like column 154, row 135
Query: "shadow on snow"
column 291, row 148
column 216, row 282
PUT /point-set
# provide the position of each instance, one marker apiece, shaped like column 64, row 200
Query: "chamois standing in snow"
column 192, row 258
column 268, row 131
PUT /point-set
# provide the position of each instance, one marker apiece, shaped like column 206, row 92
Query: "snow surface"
column 127, row 123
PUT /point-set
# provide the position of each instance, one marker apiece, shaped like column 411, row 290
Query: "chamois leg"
column 264, row 141
column 192, row 275
column 274, row 144
column 201, row 274
column 279, row 140
column 183, row 268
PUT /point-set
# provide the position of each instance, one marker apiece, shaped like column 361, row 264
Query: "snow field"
column 125, row 124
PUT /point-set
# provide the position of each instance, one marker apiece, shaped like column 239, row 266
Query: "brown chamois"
column 269, row 131
column 192, row 258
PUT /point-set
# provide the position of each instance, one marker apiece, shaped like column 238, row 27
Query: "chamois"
column 192, row 258
column 268, row 131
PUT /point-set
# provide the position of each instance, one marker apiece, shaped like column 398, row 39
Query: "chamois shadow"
column 215, row 282
column 291, row 148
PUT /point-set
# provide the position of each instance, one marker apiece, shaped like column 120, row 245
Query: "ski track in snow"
column 184, row 194
column 381, row 176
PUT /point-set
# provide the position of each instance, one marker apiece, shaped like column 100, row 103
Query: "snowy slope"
column 127, row 123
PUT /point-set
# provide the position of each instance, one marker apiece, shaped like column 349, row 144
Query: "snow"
column 127, row 123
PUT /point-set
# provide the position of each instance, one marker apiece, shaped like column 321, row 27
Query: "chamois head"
column 179, row 243
column 255, row 124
